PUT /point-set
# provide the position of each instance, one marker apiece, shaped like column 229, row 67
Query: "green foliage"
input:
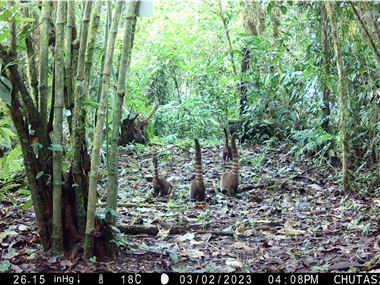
column 314, row 141
column 11, row 164
column 5, row 89
column 5, row 265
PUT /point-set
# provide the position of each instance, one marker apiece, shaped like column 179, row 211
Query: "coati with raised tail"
column 230, row 180
column 198, row 189
column 227, row 153
column 160, row 185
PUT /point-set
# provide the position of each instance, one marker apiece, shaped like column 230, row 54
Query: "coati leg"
column 229, row 181
column 227, row 153
column 198, row 189
column 160, row 185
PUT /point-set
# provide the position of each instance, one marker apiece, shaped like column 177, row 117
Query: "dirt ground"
column 289, row 216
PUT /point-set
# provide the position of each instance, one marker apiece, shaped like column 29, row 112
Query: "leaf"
column 200, row 206
column 187, row 236
column 28, row 20
column 3, row 235
column 270, row 7
column 5, row 90
column 108, row 210
column 40, row 174
column 193, row 253
column 5, row 265
column 291, row 231
column 115, row 229
column 66, row 112
column 22, row 228
column 283, row 9
column 56, row 147
column 90, row 103
column 234, row 262
column 27, row 204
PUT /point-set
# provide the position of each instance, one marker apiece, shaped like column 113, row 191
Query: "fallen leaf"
column 193, row 253
column 234, row 262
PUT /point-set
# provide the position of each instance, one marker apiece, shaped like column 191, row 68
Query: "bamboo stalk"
column 43, row 66
column 129, row 31
column 78, row 128
column 58, row 132
column 68, row 60
column 95, row 156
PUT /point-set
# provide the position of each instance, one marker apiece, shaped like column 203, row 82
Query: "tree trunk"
column 367, row 33
column 68, row 61
column 330, row 8
column 227, row 32
column 58, row 131
column 78, row 124
column 326, row 55
column 95, row 156
column 107, row 29
column 251, row 25
column 44, row 65
column 129, row 32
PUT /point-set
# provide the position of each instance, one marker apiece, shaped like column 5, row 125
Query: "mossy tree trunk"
column 330, row 8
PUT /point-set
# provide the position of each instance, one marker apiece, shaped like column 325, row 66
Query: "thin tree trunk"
column 125, row 61
column 326, row 54
column 262, row 14
column 108, row 26
column 78, row 123
column 227, row 32
column 330, row 8
column 93, row 34
column 367, row 33
column 43, row 67
column 68, row 61
column 374, row 23
column 95, row 156
column 58, row 131
column 32, row 72
column 275, row 18
column 251, row 26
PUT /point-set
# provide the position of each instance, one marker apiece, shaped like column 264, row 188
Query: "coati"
column 198, row 189
column 227, row 154
column 160, row 185
column 229, row 181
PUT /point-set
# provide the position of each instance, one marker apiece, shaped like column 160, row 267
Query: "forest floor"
column 290, row 216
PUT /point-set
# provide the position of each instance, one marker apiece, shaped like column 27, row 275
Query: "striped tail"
column 155, row 170
column 235, row 156
column 198, row 161
column 226, row 135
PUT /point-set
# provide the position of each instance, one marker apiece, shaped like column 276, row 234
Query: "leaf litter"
column 289, row 216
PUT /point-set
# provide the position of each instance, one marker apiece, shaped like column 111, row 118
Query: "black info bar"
column 189, row 278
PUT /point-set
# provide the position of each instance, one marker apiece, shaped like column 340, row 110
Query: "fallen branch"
column 247, row 187
column 154, row 230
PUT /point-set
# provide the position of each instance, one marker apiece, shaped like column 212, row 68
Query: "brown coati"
column 198, row 189
column 229, row 181
column 160, row 185
column 227, row 154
